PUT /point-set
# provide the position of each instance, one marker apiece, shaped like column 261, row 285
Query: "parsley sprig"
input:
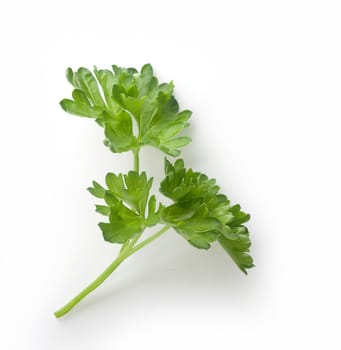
column 135, row 110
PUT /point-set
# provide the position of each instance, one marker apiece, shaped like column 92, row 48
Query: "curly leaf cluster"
column 202, row 215
column 119, row 97
column 126, row 198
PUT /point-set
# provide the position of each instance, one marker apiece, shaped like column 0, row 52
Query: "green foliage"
column 201, row 215
column 129, row 97
column 135, row 110
column 118, row 98
column 126, row 199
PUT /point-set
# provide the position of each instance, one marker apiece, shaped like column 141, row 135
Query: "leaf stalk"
column 124, row 254
column 136, row 153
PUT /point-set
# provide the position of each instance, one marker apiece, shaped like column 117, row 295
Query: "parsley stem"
column 124, row 247
column 107, row 272
column 136, row 152
column 149, row 239
column 134, row 240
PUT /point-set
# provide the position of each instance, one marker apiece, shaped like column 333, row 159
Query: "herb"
column 116, row 100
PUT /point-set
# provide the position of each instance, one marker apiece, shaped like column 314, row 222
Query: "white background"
column 263, row 79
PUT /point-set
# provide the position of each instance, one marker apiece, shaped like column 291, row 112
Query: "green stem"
column 149, row 240
column 99, row 280
column 136, row 152
column 124, row 247
column 134, row 240
column 107, row 272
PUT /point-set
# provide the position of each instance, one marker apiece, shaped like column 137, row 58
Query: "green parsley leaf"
column 119, row 133
column 202, row 215
column 127, row 95
column 97, row 190
column 123, row 224
column 154, row 214
column 132, row 188
column 126, row 197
